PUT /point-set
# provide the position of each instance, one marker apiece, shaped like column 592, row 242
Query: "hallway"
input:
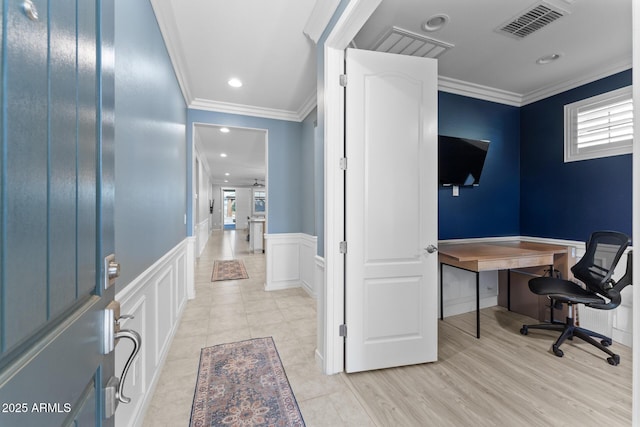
column 229, row 311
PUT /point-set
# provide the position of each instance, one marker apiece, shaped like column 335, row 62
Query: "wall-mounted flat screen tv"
column 460, row 160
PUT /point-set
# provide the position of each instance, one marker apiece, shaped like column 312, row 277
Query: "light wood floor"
column 502, row 379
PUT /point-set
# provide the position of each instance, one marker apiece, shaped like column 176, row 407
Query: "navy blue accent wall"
column 493, row 207
column 570, row 200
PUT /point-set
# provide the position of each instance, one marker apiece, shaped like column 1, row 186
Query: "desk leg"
column 441, row 298
column 552, row 302
column 477, row 305
column 509, row 289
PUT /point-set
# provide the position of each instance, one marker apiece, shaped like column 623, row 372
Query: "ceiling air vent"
column 397, row 40
column 531, row 20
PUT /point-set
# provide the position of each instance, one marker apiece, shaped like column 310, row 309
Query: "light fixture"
column 226, row 180
column 435, row 23
column 223, row 154
column 235, row 82
column 227, row 174
column 224, row 130
column 547, row 59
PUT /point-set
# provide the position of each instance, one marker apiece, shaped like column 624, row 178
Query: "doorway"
column 229, row 209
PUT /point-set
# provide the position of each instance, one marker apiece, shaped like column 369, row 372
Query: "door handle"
column 114, row 393
column 135, row 338
column 431, row 249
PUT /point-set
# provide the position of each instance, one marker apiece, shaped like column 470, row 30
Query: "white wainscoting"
column 459, row 290
column 291, row 262
column 156, row 299
column 202, row 235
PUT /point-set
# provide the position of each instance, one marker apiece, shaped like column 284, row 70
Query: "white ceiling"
column 262, row 43
column 593, row 39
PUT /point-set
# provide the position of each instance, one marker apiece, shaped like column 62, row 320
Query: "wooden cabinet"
column 524, row 301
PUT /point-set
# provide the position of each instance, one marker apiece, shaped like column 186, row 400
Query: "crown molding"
column 319, row 18
column 167, row 26
column 549, row 91
column 472, row 90
column 245, row 110
column 308, row 106
column 445, row 84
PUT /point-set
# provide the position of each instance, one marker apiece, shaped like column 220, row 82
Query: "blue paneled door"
column 56, row 211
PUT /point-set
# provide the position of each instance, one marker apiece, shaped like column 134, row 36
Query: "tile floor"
column 237, row 310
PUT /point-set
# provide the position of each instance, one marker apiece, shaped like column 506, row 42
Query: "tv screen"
column 460, row 160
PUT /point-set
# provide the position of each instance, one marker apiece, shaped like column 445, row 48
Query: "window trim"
column 571, row 151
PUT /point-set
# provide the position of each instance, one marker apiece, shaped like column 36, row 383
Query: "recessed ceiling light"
column 234, row 82
column 547, row 59
column 226, row 180
column 436, row 22
column 227, row 174
column 224, row 130
column 223, row 154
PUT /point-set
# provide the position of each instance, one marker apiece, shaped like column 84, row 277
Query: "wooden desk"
column 495, row 255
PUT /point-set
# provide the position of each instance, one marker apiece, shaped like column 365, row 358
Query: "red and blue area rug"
column 228, row 270
column 243, row 384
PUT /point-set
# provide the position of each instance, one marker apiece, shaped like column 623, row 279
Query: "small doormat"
column 228, row 270
column 243, row 384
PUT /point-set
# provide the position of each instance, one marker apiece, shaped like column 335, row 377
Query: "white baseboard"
column 156, row 299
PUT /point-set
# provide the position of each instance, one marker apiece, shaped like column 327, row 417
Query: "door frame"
column 351, row 21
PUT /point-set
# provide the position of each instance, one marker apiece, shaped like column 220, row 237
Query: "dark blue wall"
column 570, row 200
column 492, row 208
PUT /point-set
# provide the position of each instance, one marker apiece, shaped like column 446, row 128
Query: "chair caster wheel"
column 606, row 343
column 557, row 351
column 614, row 360
column 524, row 330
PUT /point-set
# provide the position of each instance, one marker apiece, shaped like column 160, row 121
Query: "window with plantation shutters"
column 600, row 126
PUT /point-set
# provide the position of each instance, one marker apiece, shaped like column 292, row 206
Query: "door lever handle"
column 135, row 338
column 431, row 249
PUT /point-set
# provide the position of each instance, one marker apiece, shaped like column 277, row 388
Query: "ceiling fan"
column 257, row 184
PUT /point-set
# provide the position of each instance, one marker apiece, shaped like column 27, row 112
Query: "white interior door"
column 391, row 210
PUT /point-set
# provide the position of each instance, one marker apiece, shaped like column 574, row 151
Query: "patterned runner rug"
column 243, row 384
column 228, row 270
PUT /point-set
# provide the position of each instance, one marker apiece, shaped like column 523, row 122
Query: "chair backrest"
column 595, row 268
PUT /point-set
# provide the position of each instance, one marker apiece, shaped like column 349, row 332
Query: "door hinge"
column 343, row 80
column 342, row 330
column 343, row 163
column 343, row 247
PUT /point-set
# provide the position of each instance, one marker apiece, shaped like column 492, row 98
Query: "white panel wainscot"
column 156, row 299
column 459, row 290
column 290, row 261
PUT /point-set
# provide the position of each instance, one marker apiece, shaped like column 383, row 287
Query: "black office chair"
column 595, row 269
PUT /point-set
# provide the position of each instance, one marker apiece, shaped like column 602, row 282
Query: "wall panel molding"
column 291, row 262
column 157, row 299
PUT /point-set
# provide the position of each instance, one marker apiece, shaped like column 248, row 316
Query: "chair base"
column 568, row 331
